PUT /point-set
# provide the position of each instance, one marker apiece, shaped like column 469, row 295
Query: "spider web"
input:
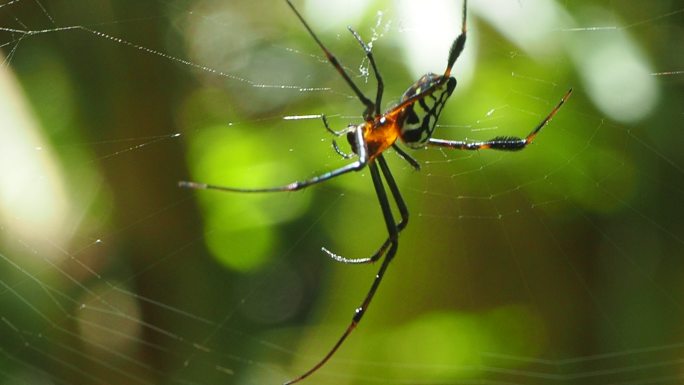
column 558, row 264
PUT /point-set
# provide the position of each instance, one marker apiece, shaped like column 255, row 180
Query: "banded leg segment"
column 504, row 143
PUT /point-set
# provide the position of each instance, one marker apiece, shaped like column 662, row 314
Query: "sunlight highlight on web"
column 33, row 197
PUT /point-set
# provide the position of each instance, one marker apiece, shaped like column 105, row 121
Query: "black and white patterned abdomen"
column 421, row 116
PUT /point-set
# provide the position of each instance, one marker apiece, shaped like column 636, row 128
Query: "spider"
column 413, row 120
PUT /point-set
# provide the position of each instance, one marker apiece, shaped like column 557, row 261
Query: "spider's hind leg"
column 502, row 143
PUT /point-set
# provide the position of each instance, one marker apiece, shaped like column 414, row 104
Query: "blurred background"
column 562, row 263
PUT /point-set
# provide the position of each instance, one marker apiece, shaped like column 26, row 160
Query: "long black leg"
column 297, row 185
column 505, row 143
column 458, row 44
column 361, row 310
column 396, row 194
column 333, row 60
column 403, row 211
column 371, row 59
column 454, row 52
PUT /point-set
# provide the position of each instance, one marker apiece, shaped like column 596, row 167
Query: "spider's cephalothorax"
column 414, row 123
column 413, row 120
column 419, row 119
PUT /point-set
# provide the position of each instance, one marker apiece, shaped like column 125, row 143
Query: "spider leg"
column 454, row 52
column 371, row 59
column 458, row 44
column 339, row 151
column 330, row 130
column 405, row 156
column 505, row 143
column 333, row 60
column 403, row 211
column 361, row 310
column 338, row 134
column 297, row 185
column 396, row 194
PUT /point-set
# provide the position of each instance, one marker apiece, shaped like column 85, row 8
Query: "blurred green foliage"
column 515, row 267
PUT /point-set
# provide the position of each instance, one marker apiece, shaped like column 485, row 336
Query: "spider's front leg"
column 362, row 152
column 393, row 231
column 403, row 211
